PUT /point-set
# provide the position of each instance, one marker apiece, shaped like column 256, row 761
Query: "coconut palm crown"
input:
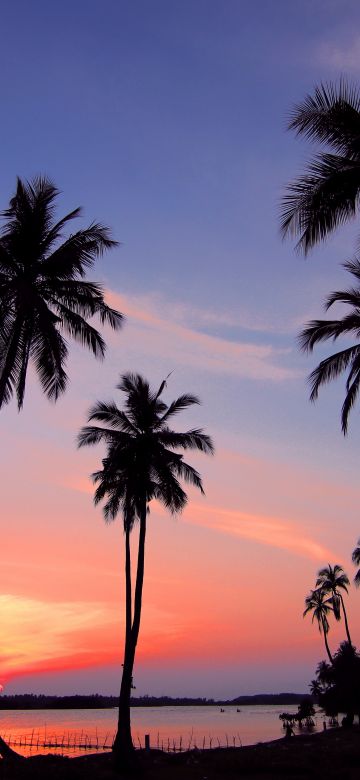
column 142, row 463
column 347, row 359
column 320, row 606
column 356, row 560
column 43, row 294
column 332, row 580
column 327, row 194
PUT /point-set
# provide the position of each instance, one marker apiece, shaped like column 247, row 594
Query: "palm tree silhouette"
column 356, row 560
column 141, row 464
column 332, row 580
column 43, row 294
column 315, row 688
column 327, row 194
column 324, row 672
column 320, row 606
column 324, row 330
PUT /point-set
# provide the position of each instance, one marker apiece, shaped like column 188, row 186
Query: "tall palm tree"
column 347, row 359
column 327, row 194
column 320, row 606
column 142, row 463
column 332, row 580
column 356, row 560
column 43, row 294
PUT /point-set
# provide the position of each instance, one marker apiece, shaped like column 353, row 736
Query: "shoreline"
column 333, row 753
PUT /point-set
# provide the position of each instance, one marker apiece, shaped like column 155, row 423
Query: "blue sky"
column 167, row 120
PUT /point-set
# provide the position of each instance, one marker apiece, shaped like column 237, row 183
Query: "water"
column 185, row 727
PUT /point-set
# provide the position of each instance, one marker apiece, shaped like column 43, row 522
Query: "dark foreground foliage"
column 339, row 683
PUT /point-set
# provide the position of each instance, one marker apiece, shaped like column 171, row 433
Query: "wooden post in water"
column 147, row 741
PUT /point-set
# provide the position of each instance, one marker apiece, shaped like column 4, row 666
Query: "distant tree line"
column 30, row 701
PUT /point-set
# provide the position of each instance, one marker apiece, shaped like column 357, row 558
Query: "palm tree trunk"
column 7, row 752
column 127, row 584
column 326, row 643
column 123, row 745
column 345, row 619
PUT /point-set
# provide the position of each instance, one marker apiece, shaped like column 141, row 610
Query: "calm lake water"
column 182, row 726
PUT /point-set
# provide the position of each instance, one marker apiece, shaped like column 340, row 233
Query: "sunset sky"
column 166, row 119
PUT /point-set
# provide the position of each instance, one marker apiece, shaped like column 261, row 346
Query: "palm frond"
column 80, row 330
column 108, row 412
column 78, row 252
column 194, row 439
column 55, row 231
column 331, row 368
column 181, row 403
column 353, row 266
column 91, row 434
column 356, row 555
column 325, row 197
column 49, row 352
column 330, row 115
column 324, row 330
column 350, row 297
column 188, row 473
column 352, row 387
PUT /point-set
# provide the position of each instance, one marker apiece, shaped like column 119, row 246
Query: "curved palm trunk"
column 123, row 745
column 345, row 620
column 7, row 752
column 326, row 643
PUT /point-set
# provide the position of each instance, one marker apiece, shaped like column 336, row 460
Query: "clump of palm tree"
column 332, row 580
column 327, row 194
column 143, row 462
column 44, row 297
column 320, row 606
column 346, row 359
column 356, row 560
column 339, row 684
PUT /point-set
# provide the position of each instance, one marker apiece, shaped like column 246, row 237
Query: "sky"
column 166, row 120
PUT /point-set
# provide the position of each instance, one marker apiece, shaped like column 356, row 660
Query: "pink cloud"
column 159, row 334
column 272, row 531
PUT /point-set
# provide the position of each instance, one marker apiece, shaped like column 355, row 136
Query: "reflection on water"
column 75, row 731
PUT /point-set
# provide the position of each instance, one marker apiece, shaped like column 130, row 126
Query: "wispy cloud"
column 341, row 58
column 162, row 334
column 39, row 633
column 197, row 317
column 271, row 531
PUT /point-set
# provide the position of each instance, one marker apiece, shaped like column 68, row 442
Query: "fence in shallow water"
column 77, row 743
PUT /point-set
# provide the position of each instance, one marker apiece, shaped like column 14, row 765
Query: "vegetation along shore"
column 30, row 701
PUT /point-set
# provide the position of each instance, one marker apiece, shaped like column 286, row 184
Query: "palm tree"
column 349, row 358
column 356, row 560
column 142, row 463
column 327, row 194
column 320, row 607
column 332, row 580
column 315, row 689
column 43, row 294
column 324, row 673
